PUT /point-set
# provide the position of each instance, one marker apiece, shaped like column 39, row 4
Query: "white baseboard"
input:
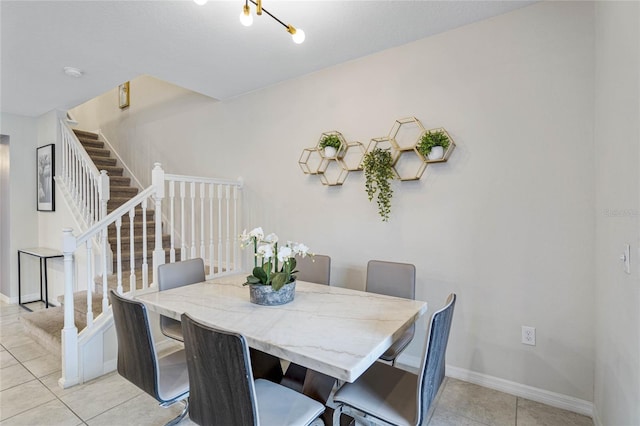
column 529, row 392
column 26, row 298
column 596, row 417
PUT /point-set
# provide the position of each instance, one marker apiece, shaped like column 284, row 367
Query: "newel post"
column 157, row 180
column 69, row 332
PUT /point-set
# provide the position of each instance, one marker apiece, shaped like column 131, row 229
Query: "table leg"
column 19, row 295
column 46, row 285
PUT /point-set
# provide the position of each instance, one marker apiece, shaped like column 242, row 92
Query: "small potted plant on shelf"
column 331, row 144
column 273, row 280
column 378, row 172
column 433, row 144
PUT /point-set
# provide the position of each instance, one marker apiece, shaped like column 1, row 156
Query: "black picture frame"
column 46, row 170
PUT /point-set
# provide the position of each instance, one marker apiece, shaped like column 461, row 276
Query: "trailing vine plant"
column 378, row 173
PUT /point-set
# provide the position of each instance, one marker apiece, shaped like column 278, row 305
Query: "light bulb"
column 201, row 2
column 298, row 36
column 246, row 18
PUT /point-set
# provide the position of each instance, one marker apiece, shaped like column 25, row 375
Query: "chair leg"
column 180, row 416
column 337, row 412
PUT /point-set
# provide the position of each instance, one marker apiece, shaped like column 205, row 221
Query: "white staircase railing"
column 88, row 187
column 215, row 216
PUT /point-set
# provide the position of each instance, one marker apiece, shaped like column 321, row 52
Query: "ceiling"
column 201, row 48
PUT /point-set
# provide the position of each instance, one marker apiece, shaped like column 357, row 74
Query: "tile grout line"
column 42, row 383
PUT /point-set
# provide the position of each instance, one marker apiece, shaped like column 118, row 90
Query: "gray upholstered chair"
column 165, row 378
column 314, row 269
column 388, row 395
column 393, row 279
column 223, row 391
column 172, row 275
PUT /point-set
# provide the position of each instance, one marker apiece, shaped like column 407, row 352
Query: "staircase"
column 203, row 217
column 121, row 191
column 45, row 325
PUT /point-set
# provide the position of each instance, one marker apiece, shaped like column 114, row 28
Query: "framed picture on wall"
column 46, row 165
column 123, row 95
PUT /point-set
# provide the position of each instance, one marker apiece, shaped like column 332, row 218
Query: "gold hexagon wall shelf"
column 406, row 133
column 310, row 161
column 333, row 172
column 341, row 150
column 353, row 155
column 385, row 143
column 409, row 166
column 447, row 153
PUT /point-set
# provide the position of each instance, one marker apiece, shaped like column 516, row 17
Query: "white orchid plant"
column 277, row 264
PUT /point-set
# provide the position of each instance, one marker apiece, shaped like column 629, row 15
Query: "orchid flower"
column 265, row 251
column 271, row 238
column 277, row 262
column 284, row 254
column 257, row 233
column 300, row 249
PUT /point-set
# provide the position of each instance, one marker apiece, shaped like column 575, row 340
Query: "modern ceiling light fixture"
column 246, row 19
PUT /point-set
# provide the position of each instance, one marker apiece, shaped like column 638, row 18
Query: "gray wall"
column 617, row 136
column 22, row 133
column 508, row 223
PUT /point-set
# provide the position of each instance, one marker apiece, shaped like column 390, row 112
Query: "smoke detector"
column 72, row 72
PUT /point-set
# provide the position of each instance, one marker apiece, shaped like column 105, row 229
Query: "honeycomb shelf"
column 402, row 141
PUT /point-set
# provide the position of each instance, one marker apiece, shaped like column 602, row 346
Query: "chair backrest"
column 433, row 363
column 137, row 361
column 391, row 278
column 172, row 275
column 314, row 269
column 220, row 377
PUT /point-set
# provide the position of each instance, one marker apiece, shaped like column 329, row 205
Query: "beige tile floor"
column 29, row 395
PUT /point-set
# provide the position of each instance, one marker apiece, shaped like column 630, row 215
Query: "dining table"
column 336, row 331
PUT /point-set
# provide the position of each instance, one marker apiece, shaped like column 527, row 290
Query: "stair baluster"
column 203, row 254
column 172, row 197
column 90, row 283
column 132, row 252
column 219, row 226
column 183, row 250
column 145, row 269
column 119, row 255
column 211, row 212
column 193, row 221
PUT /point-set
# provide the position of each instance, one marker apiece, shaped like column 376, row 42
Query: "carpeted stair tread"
column 112, row 170
column 45, row 326
column 120, row 180
column 123, row 191
column 104, row 161
column 97, row 152
column 85, row 134
column 91, row 143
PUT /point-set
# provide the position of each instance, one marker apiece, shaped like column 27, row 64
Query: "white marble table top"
column 336, row 331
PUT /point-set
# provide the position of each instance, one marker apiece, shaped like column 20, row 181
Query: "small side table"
column 43, row 254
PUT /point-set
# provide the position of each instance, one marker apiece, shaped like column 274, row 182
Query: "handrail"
column 88, row 187
column 197, row 179
column 82, row 153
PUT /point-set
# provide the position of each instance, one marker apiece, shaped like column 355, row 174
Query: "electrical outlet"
column 528, row 335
